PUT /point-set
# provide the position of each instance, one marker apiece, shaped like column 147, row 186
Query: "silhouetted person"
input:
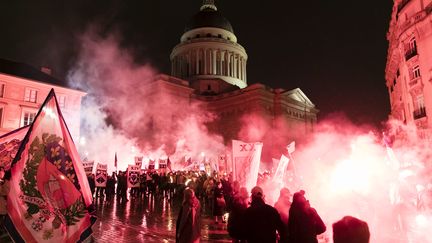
column 236, row 228
column 304, row 223
column 219, row 203
column 350, row 230
column 262, row 220
column 283, row 205
column 188, row 226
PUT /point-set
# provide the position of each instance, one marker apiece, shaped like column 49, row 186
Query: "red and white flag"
column 49, row 197
column 246, row 162
column 9, row 145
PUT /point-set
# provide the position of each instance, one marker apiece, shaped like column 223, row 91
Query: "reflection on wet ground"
column 147, row 220
column 144, row 220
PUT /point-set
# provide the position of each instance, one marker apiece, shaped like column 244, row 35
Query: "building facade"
column 409, row 64
column 23, row 89
column 210, row 66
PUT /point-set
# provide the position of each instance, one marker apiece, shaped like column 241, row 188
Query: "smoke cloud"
column 127, row 112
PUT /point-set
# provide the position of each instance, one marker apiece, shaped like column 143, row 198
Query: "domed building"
column 209, row 51
column 210, row 66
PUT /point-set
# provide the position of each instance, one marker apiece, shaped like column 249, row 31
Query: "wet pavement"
column 145, row 220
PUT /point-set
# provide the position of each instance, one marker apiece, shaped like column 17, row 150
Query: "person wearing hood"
column 262, row 221
column 304, row 223
column 188, row 226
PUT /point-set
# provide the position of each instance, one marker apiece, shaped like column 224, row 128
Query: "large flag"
column 133, row 176
column 49, row 197
column 101, row 177
column 9, row 145
column 246, row 162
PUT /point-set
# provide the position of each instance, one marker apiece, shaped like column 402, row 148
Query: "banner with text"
column 246, row 162
column 138, row 161
column 101, row 175
column 88, row 167
column 133, row 176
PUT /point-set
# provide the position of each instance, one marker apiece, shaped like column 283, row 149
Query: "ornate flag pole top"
column 208, row 4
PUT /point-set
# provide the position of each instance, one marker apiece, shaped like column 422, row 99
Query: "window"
column 2, row 89
column 1, row 116
column 413, row 44
column 411, row 49
column 62, row 101
column 416, row 72
column 30, row 95
column 420, row 102
column 28, row 117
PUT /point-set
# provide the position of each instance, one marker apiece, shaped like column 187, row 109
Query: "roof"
column 28, row 72
column 209, row 17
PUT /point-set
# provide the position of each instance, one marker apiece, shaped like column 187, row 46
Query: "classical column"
column 230, row 64
column 214, row 62
column 205, row 60
column 235, row 65
column 189, row 66
column 223, row 62
column 245, row 72
column 197, row 71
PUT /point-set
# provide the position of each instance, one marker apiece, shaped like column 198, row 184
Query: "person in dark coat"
column 262, row 220
column 236, row 222
column 283, row 205
column 304, row 223
column 92, row 184
column 188, row 225
column 219, row 202
column 350, row 230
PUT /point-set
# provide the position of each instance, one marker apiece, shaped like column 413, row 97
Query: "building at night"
column 23, row 89
column 409, row 64
column 210, row 65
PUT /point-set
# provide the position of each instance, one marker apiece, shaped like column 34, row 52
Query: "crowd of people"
column 255, row 221
column 250, row 219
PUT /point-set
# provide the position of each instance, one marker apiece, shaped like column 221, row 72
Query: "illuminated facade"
column 409, row 64
column 211, row 62
column 23, row 89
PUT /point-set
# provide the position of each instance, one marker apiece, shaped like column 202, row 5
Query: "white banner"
column 101, row 175
column 138, row 161
column 246, row 161
column 88, row 167
column 133, row 176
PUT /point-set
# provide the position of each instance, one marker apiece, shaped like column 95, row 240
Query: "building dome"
column 208, row 17
column 208, row 54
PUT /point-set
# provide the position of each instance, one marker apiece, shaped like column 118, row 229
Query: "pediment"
column 298, row 95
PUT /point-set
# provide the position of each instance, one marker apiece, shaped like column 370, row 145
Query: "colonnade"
column 209, row 62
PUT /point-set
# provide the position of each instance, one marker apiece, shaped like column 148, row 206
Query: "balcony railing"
column 419, row 113
column 402, row 5
column 410, row 53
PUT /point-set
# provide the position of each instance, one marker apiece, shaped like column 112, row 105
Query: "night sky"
column 334, row 50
